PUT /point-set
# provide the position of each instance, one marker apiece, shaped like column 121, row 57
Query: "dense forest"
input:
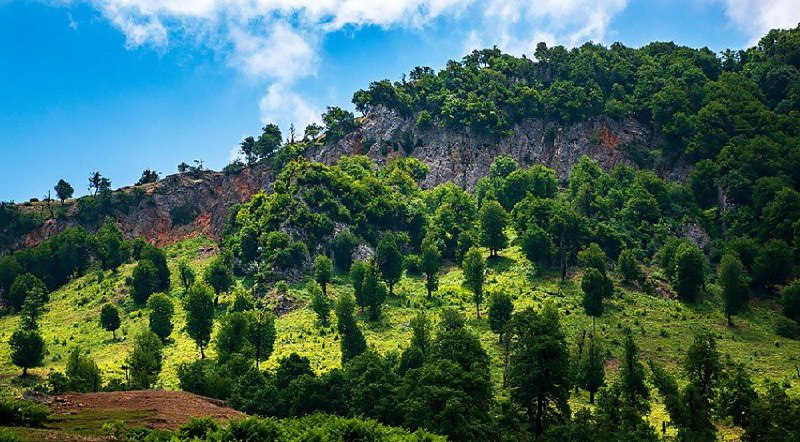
column 355, row 244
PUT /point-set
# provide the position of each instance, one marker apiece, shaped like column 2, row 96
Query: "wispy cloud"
column 756, row 17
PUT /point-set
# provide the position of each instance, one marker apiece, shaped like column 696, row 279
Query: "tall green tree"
column 628, row 267
column 233, row 336
column 566, row 228
column 500, row 310
column 112, row 249
column 357, row 273
column 323, row 271
column 689, row 271
column 791, row 300
column 24, row 286
column 596, row 287
column 27, row 349
column 161, row 313
column 593, row 257
column 390, row 260
column 342, row 247
column 144, row 360
column 63, row 190
column 352, row 339
column 262, row 335
column 269, row 141
column 735, row 289
column 320, row 303
column 538, row 375
column 374, row 291
column 219, row 276
column 592, row 368
column 474, row 266
column 431, row 260
column 159, row 259
column 82, row 372
column 109, row 319
column 493, row 222
column 144, row 281
column 186, row 275
column 536, row 245
column 199, row 306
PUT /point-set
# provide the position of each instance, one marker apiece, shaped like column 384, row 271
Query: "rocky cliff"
column 183, row 205
column 463, row 157
column 176, row 207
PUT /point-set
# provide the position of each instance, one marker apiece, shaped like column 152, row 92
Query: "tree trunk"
column 505, row 361
column 114, row 335
column 325, row 288
column 730, row 321
column 24, row 371
column 478, row 309
column 202, row 354
column 539, row 409
column 563, row 261
column 591, row 397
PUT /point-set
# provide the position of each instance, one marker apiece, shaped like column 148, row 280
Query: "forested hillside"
column 647, row 290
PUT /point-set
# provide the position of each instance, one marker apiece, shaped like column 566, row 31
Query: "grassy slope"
column 663, row 328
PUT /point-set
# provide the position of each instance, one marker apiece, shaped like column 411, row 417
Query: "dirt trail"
column 166, row 409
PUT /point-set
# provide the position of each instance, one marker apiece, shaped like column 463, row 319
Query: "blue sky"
column 123, row 85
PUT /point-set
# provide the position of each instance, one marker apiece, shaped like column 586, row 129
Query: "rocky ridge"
column 183, row 205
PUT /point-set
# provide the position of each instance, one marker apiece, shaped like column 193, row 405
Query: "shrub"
column 197, row 428
column 22, row 413
column 82, row 372
column 787, row 328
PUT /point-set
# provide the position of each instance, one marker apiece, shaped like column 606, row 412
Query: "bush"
column 342, row 247
column 82, row 373
column 197, row 428
column 787, row 328
column 8, row 436
column 22, row 413
column 413, row 264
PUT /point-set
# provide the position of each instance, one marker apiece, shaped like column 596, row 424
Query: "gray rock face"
column 464, row 157
column 177, row 207
column 180, row 205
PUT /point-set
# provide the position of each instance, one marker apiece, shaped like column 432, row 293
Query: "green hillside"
column 665, row 287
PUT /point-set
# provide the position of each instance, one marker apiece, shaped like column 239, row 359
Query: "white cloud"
column 518, row 25
column 278, row 41
column 756, row 17
column 282, row 106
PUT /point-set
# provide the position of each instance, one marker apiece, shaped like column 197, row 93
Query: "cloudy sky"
column 123, row 85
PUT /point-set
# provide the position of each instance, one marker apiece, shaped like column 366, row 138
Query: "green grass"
column 663, row 328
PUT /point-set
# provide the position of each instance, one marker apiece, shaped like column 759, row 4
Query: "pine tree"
column 596, row 287
column 592, row 370
column 352, row 340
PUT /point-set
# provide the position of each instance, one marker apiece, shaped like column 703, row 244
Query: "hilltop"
column 478, row 255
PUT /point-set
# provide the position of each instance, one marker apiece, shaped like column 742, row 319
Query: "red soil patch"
column 169, row 409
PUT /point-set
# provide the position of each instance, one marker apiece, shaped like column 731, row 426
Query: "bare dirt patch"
column 159, row 408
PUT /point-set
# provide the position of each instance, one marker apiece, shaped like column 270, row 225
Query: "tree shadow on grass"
column 500, row 264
